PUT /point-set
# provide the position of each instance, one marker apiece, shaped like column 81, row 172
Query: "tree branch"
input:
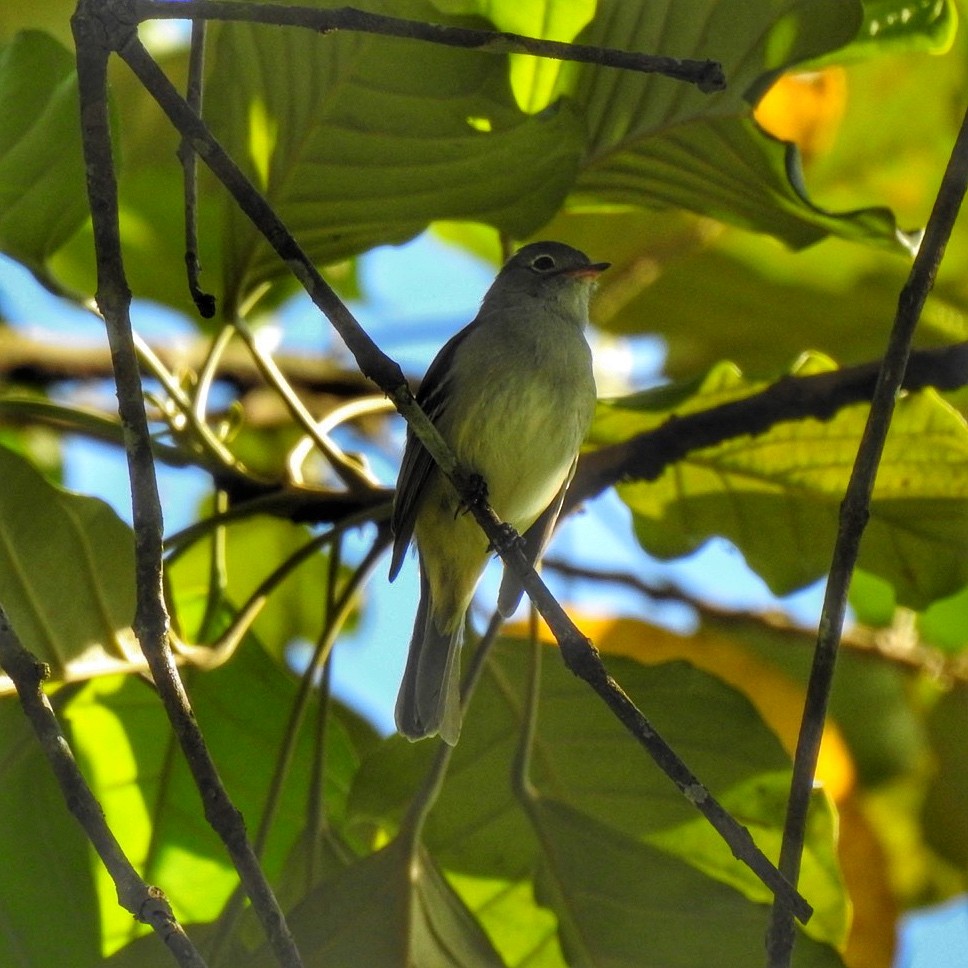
column 147, row 904
column 706, row 75
column 792, row 398
column 93, row 35
column 898, row 645
column 854, row 512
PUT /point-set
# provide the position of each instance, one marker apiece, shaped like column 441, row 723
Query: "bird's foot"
column 474, row 491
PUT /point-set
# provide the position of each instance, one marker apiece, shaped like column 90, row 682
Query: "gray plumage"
column 513, row 394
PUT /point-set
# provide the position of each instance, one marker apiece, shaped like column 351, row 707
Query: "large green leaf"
column 715, row 293
column 391, row 908
column 43, row 198
column 47, row 860
column 66, row 575
column 582, row 757
column 122, row 739
column 654, row 142
column 638, row 906
column 358, row 140
column 776, row 496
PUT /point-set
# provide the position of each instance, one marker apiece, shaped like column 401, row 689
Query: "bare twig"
column 898, row 645
column 93, row 40
column 356, row 478
column 148, row 904
column 578, row 653
column 854, row 512
column 204, row 302
column 706, row 75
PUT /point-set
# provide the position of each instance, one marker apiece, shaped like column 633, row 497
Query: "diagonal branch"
column 854, row 512
column 148, row 904
column 151, row 617
column 577, row 651
column 792, row 398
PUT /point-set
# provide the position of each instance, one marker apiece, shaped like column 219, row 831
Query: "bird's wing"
column 417, row 464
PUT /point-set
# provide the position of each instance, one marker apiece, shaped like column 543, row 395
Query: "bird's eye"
column 543, row 263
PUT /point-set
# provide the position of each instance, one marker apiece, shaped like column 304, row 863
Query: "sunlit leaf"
column 391, row 908
column 47, row 859
column 355, row 148
column 43, row 197
column 637, row 906
column 776, row 496
column 123, row 740
column 66, row 575
column 656, row 143
column 583, row 758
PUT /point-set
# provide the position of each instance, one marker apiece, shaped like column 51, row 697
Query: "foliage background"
column 718, row 250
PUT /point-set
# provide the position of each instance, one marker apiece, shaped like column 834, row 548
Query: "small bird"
column 513, row 395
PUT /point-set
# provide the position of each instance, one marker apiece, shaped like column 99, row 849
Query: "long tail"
column 429, row 697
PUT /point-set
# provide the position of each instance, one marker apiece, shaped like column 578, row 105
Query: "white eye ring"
column 543, row 263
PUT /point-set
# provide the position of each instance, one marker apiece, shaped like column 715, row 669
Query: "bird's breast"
column 527, row 410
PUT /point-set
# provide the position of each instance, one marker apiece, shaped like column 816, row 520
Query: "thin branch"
column 854, row 512
column 356, row 478
column 340, row 609
column 204, row 302
column 706, row 75
column 899, row 644
column 792, row 398
column 577, row 651
column 151, row 618
column 25, row 359
column 147, row 904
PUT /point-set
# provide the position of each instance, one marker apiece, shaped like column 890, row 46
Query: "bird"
column 513, row 395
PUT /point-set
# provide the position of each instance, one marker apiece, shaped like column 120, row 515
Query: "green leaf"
column 123, row 741
column 532, row 78
column 776, row 496
column 904, row 25
column 66, row 575
column 655, row 142
column 252, row 550
column 354, row 147
column 43, row 197
column 760, row 805
column 47, row 860
column 638, row 906
column 584, row 759
column 945, row 623
column 715, row 294
column 391, row 908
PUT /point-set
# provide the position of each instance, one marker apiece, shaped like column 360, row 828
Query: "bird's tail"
column 429, row 699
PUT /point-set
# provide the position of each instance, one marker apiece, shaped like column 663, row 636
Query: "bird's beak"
column 588, row 272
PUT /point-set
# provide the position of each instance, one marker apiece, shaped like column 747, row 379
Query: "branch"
column 578, row 653
column 854, row 512
column 147, row 904
column 792, row 398
column 151, row 618
column 39, row 362
column 706, row 75
column 204, row 302
column 899, row 644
